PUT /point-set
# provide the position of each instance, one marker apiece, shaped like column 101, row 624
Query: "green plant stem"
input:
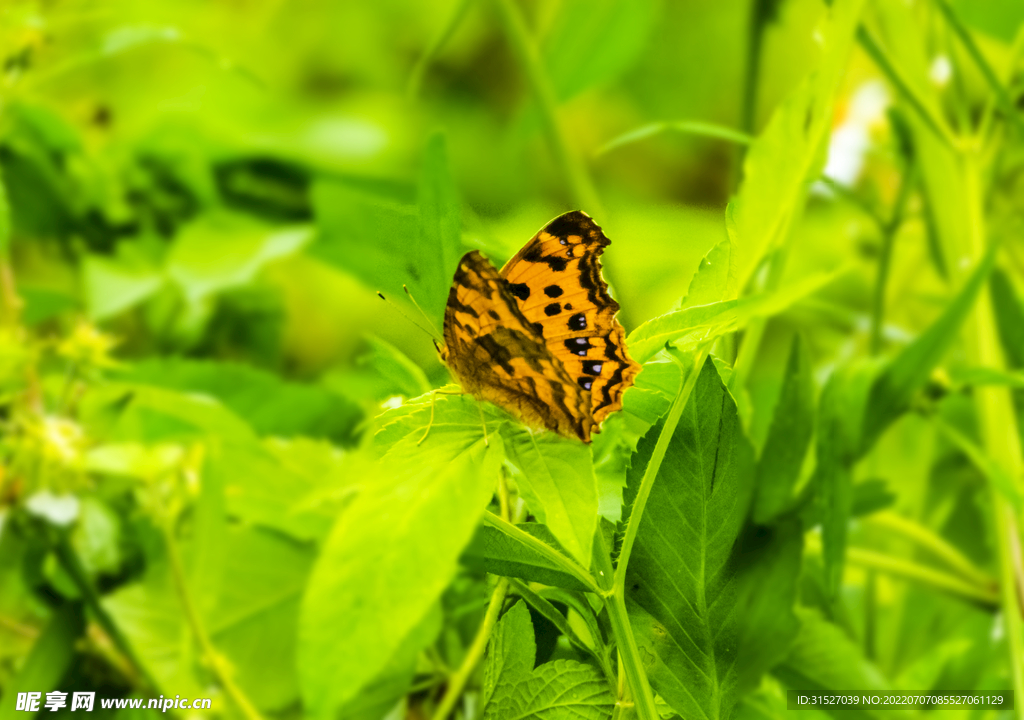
column 755, row 329
column 564, row 563
column 934, row 544
column 998, row 424
column 73, row 567
column 579, row 181
column 436, row 43
column 1002, row 97
column 915, row 571
column 889, row 231
column 476, row 651
column 216, row 664
column 615, row 601
column 935, row 122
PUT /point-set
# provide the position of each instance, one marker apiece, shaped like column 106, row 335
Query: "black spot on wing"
column 538, row 327
column 461, row 307
column 571, row 223
column 534, row 255
column 552, row 309
column 585, row 382
column 592, row 367
column 578, row 346
column 567, row 306
column 553, row 291
column 577, row 322
column 606, row 391
column 494, row 315
column 520, row 290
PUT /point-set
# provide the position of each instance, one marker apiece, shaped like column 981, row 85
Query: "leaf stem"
column 476, row 651
column 216, row 663
column 564, row 563
column 933, row 543
column 997, row 421
column 579, row 181
column 68, row 559
column 687, row 127
column 933, row 120
column 615, row 603
column 437, row 42
column 889, row 230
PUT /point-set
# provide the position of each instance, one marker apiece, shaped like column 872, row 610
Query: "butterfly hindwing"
column 499, row 355
column 556, row 279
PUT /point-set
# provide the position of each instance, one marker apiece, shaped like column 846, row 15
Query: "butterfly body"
column 539, row 338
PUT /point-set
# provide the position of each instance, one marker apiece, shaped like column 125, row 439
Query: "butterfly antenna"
column 425, row 316
column 402, row 313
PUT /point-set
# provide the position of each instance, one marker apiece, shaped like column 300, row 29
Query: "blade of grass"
column 686, row 127
column 436, row 43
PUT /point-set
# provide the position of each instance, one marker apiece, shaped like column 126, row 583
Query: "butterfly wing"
column 498, row 355
column 556, row 279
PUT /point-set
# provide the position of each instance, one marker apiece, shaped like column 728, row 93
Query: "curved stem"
column 580, row 184
column 476, row 651
column 216, row 663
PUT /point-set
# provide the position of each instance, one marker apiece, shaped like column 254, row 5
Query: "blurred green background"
column 205, row 197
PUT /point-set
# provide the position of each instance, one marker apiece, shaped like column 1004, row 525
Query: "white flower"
column 58, row 509
column 851, row 140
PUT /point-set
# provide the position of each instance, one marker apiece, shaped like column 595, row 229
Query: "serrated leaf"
column 683, row 591
column 559, row 690
column 387, row 561
column 778, row 467
column 711, row 282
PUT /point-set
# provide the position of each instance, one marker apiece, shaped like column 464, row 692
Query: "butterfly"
column 539, row 338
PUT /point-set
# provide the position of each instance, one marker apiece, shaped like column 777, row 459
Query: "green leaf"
column 387, row 561
column 682, row 588
column 1009, row 313
column 906, row 374
column 293, row 486
column 272, row 406
column 824, row 659
column 96, row 537
column 842, row 406
column 559, row 690
column 382, row 372
column 495, row 552
column 790, row 153
column 220, row 251
column 249, row 606
column 778, row 467
column 112, row 286
column 556, row 477
column 386, row 241
column 440, row 223
column 511, row 651
column 48, row 661
column 711, row 282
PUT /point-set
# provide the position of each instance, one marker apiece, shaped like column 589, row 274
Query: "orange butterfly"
column 540, row 338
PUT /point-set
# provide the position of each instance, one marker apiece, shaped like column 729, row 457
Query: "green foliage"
column 228, row 470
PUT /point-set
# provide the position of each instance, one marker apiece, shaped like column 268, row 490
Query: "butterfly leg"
column 433, row 402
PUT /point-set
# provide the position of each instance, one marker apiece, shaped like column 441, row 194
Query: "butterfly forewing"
column 556, row 280
column 498, row 355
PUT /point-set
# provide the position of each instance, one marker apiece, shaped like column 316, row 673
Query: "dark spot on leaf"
column 552, row 309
